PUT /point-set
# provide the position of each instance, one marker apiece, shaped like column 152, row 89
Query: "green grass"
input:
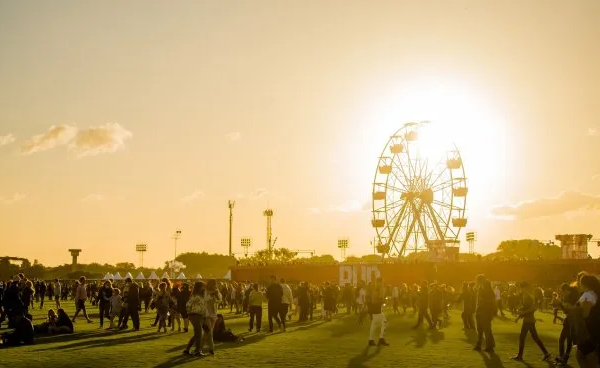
column 340, row 343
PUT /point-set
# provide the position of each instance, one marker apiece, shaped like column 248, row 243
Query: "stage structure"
column 419, row 193
column 574, row 246
column 343, row 244
column 141, row 248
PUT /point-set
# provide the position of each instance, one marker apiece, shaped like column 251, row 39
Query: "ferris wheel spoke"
column 398, row 180
column 440, row 175
column 396, row 220
column 436, row 216
column 451, row 207
column 408, row 234
column 400, row 168
column 443, row 185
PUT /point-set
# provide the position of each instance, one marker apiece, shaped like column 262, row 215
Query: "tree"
column 125, row 266
column 325, row 258
column 284, row 255
column 371, row 258
column 529, row 249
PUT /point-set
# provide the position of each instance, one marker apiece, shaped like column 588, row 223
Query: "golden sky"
column 122, row 121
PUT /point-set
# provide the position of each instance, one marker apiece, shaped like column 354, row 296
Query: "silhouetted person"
column 527, row 314
column 484, row 313
column 274, row 296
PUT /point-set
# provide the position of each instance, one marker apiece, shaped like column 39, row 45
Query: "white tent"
column 165, row 275
column 227, row 275
column 199, row 276
column 108, row 276
column 117, row 276
column 140, row 276
column 153, row 276
column 181, row 277
column 128, row 276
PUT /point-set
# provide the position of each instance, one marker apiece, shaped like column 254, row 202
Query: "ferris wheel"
column 419, row 193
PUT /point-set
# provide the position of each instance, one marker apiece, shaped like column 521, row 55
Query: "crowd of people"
column 179, row 304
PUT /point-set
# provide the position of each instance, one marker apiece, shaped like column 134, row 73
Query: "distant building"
column 574, row 246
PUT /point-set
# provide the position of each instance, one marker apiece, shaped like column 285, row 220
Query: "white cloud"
column 93, row 198
column 314, row 210
column 13, row 198
column 6, row 139
column 565, row 203
column 259, row 193
column 596, row 176
column 234, row 136
column 592, row 132
column 57, row 135
column 196, row 194
column 106, row 138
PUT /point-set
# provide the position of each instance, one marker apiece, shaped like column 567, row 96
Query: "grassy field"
column 340, row 343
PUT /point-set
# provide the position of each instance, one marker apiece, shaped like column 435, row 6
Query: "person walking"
column 80, row 298
column 527, row 314
column 485, row 311
column 104, row 296
column 196, row 308
column 286, row 300
column 255, row 302
column 274, row 296
column 376, row 297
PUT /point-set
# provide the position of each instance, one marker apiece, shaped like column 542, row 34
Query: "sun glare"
column 457, row 115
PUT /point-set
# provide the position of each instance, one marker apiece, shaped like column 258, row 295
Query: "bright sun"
column 458, row 116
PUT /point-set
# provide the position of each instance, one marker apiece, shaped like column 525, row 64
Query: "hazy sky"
column 122, row 121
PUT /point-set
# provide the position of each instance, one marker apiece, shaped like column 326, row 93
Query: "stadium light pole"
column 231, row 205
column 176, row 237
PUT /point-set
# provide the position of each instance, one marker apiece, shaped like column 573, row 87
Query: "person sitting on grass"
column 23, row 333
column 44, row 327
column 223, row 334
column 63, row 324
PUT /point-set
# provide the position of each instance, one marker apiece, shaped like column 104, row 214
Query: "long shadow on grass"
column 175, row 361
column 92, row 343
column 250, row 339
column 492, row 360
column 360, row 360
column 420, row 337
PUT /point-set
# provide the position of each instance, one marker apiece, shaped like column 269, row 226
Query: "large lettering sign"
column 352, row 274
column 453, row 273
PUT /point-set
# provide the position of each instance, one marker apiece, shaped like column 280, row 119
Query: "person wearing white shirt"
column 360, row 302
column 286, row 300
column 587, row 352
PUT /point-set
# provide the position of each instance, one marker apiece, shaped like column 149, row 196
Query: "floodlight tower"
column 175, row 237
column 268, row 213
column 231, row 205
column 246, row 243
column 471, row 238
column 343, row 244
column 141, row 248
